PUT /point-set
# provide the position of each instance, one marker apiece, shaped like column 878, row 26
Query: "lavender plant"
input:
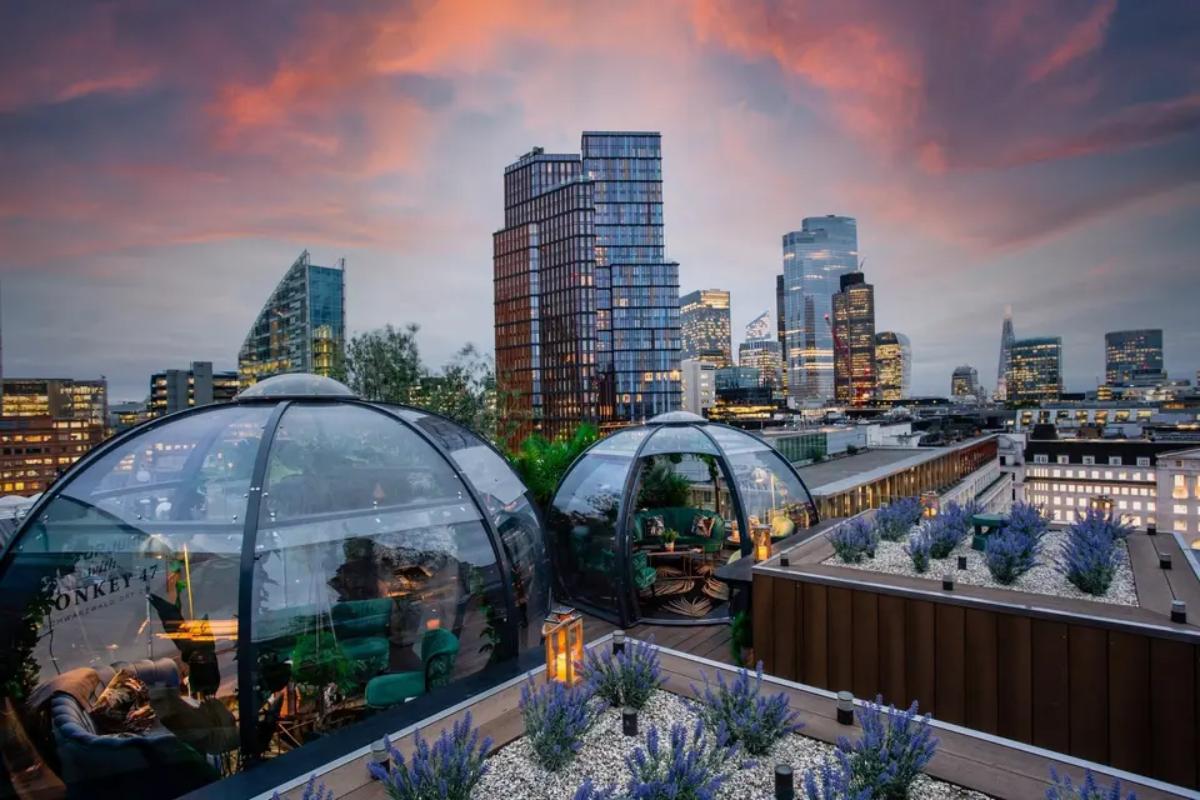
column 312, row 791
column 691, row 767
column 739, row 711
column 1091, row 555
column 895, row 520
column 1010, row 553
column 893, row 749
column 944, row 536
column 556, row 718
column 853, row 540
column 1026, row 518
column 833, row 780
column 589, row 791
column 627, row 678
column 919, row 545
column 1109, row 524
column 1063, row 789
column 448, row 769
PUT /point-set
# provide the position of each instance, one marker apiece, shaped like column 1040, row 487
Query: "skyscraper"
column 781, row 326
column 637, row 288
column 587, row 306
column 301, row 327
column 964, row 382
column 545, row 295
column 63, row 399
column 893, row 365
column 761, row 350
column 1133, row 355
column 814, row 259
column 1035, row 370
column 705, row 326
column 1006, row 342
column 698, row 385
column 854, row 340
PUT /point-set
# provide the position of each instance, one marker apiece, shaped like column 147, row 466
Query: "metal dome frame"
column 247, row 713
column 625, row 614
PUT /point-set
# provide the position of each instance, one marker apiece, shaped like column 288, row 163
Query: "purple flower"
column 919, row 545
column 1063, row 789
column 895, row 520
column 852, row 540
column 628, row 678
column 448, row 769
column 1091, row 555
column 893, row 749
column 556, row 718
column 1010, row 553
column 741, row 712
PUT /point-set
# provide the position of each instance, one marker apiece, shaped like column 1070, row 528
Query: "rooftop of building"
column 840, row 474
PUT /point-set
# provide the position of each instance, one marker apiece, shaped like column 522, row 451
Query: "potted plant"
column 669, row 536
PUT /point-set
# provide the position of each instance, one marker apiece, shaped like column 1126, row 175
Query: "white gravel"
column 1044, row 578
column 514, row 775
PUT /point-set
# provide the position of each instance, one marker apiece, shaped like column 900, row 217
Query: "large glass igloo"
column 225, row 584
column 643, row 518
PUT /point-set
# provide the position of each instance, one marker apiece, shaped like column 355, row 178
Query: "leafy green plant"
column 627, row 678
column 318, row 662
column 670, row 535
column 541, row 463
column 741, row 636
column 662, row 487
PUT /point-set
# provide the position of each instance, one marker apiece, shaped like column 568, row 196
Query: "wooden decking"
column 704, row 641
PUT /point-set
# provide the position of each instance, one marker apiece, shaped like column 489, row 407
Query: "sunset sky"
column 162, row 163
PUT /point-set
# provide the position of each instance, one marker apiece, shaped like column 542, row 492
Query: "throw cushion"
column 123, row 706
column 654, row 526
column 702, row 526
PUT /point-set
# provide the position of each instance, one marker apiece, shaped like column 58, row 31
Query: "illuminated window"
column 1180, row 526
column 1179, row 487
column 1180, row 509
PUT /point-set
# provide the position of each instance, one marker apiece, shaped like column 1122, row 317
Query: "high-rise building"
column 176, row 389
column 814, row 259
column 637, row 288
column 1131, row 356
column 964, row 382
column 587, row 306
column 48, row 424
column 545, row 294
column 1035, row 370
column 58, row 398
column 854, row 340
column 705, row 326
column 1006, row 342
column 698, row 385
column 781, row 326
column 302, row 326
column 893, row 366
column 761, row 351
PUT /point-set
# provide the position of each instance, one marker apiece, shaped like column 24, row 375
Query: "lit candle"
column 560, row 667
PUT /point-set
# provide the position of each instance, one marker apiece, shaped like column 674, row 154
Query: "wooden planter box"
column 1111, row 684
column 986, row 763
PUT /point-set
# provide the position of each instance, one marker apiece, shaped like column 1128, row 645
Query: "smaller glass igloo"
column 644, row 517
column 220, row 586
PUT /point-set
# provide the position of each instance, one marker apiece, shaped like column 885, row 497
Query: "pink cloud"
column 1082, row 40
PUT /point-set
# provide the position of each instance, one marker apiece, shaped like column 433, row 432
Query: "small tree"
column 384, row 364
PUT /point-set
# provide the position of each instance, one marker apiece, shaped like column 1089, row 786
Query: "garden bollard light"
column 948, row 582
column 618, row 642
column 845, row 708
column 1178, row 611
column 1164, row 560
column 785, row 783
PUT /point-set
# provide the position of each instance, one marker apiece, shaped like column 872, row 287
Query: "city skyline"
column 151, row 204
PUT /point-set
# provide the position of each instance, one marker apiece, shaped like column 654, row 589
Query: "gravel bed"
column 514, row 775
column 1044, row 578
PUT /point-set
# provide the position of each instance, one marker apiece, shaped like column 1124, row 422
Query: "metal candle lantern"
column 563, row 633
column 762, row 544
column 930, row 503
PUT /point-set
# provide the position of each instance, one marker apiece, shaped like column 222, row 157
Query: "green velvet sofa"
column 679, row 518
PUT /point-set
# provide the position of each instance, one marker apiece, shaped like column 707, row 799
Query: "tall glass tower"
column 1130, row 356
column 704, row 319
column 893, row 365
column 637, row 288
column 301, row 327
column 814, row 259
column 1006, row 343
column 854, row 340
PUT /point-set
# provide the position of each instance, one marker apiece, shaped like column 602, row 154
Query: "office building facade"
column 893, row 366
column 1179, row 493
column 587, row 306
column 814, row 259
column 964, row 382
column 1035, row 370
column 705, row 326
column 854, row 340
column 760, row 350
column 1133, row 356
column 47, row 425
column 781, row 331
column 544, row 263
column 301, row 327
column 637, row 288
column 58, row 398
column 176, row 389
column 698, row 385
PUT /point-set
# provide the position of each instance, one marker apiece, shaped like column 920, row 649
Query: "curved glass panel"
column 299, row 384
column 119, row 613
column 623, row 443
column 375, row 580
column 775, row 501
column 582, row 527
column 677, row 416
column 512, row 513
column 681, row 439
column 734, row 441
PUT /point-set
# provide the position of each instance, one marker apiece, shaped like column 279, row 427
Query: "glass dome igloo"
column 225, row 584
column 643, row 518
